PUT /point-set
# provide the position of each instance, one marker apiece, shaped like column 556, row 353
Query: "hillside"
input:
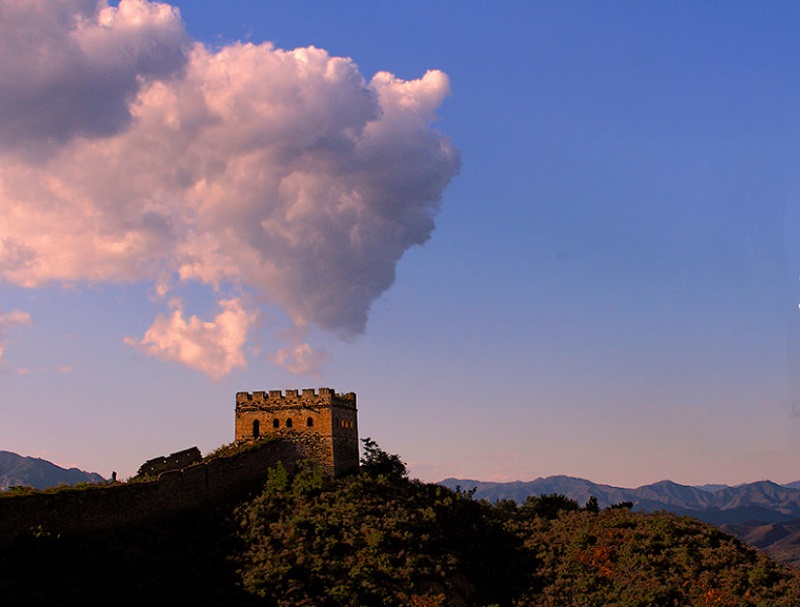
column 763, row 514
column 721, row 504
column 20, row 471
column 780, row 540
column 378, row 538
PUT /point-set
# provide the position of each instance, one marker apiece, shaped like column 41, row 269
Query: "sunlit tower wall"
column 322, row 422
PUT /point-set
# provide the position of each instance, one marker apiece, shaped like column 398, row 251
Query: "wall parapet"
column 331, row 417
column 72, row 511
column 291, row 397
column 179, row 459
column 326, row 431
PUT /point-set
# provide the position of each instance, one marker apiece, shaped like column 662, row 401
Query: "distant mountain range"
column 17, row 470
column 763, row 514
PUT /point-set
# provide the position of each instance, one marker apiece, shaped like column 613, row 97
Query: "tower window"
column 309, row 421
column 256, row 430
column 276, row 423
column 288, row 422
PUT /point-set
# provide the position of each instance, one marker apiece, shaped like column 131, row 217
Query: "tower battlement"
column 323, row 421
column 290, row 398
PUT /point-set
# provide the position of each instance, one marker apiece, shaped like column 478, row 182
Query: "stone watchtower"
column 323, row 423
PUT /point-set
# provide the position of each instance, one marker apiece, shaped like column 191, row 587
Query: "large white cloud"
column 214, row 347
column 72, row 67
column 283, row 173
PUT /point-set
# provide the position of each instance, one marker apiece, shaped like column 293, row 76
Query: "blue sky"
column 610, row 291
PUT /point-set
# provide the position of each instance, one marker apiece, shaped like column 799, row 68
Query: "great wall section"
column 330, row 419
column 190, row 483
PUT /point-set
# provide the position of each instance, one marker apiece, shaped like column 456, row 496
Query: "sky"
column 535, row 238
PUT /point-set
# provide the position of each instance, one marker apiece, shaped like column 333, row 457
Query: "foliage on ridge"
column 377, row 537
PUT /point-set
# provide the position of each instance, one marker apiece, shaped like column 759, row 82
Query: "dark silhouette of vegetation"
column 548, row 506
column 378, row 538
column 592, row 505
column 180, row 560
column 376, row 462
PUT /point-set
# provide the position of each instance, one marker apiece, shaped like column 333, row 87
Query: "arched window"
column 256, row 430
column 288, row 422
column 309, row 421
column 276, row 423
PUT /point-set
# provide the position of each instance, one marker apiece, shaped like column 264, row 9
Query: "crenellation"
column 324, row 427
column 173, row 461
column 321, row 413
column 74, row 510
column 307, row 395
column 346, row 400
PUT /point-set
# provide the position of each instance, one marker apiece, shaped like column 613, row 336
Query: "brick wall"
column 78, row 510
column 322, row 413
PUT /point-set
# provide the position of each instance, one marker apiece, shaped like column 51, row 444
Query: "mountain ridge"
column 376, row 537
column 786, row 497
column 762, row 513
column 20, row 470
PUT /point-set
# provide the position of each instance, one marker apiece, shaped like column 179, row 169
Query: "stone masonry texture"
column 278, row 427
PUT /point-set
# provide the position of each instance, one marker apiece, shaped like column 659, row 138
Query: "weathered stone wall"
column 324, row 413
column 72, row 511
column 320, row 425
column 179, row 459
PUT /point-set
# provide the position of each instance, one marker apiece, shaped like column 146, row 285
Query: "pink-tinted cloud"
column 301, row 359
column 283, row 173
column 8, row 321
column 213, row 347
column 73, row 67
column 13, row 319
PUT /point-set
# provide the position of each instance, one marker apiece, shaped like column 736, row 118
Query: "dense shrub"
column 377, row 538
column 627, row 559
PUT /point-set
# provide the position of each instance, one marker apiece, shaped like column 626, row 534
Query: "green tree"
column 549, row 506
column 375, row 461
column 376, row 539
